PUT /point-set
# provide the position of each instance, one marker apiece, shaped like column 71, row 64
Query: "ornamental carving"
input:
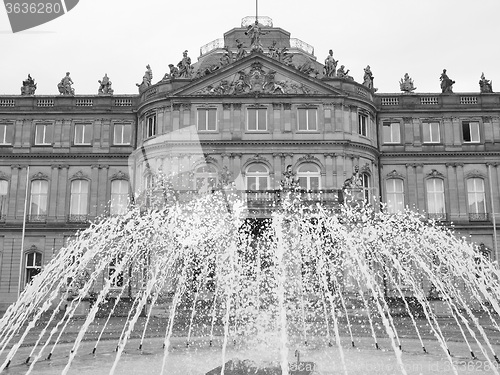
column 119, row 176
column 394, row 174
column 308, row 158
column 474, row 174
column 39, row 176
column 4, row 176
column 78, row 176
column 256, row 79
column 435, row 174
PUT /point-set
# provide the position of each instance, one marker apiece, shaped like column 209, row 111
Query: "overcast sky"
column 394, row 37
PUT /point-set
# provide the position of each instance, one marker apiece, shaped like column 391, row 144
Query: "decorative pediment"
column 309, row 158
column 120, row 176
column 4, row 176
column 79, row 176
column 435, row 174
column 39, row 176
column 256, row 75
column 366, row 168
column 474, row 174
column 394, row 174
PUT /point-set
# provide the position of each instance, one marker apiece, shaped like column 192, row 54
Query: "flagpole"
column 256, row 10
column 23, row 233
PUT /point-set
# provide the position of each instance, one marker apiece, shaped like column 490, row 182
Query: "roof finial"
column 256, row 11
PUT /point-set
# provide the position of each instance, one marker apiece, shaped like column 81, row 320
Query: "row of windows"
column 79, row 198
column 435, row 193
column 82, row 134
column 431, row 132
column 256, row 120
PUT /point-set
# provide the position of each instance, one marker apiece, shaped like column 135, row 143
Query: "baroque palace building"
column 256, row 109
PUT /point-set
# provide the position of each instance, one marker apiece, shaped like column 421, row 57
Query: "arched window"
column 309, row 176
column 79, row 201
column 33, row 265
column 476, row 199
column 119, row 197
column 38, row 200
column 395, row 195
column 257, row 177
column 435, row 198
column 366, row 184
column 4, row 187
column 206, row 178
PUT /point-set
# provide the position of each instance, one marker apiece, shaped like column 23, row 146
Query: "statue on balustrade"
column 29, row 86
column 485, row 85
column 255, row 31
column 146, row 79
column 289, row 181
column 226, row 58
column 241, row 51
column 330, row 65
column 406, row 84
column 105, row 86
column 273, row 51
column 355, row 181
column 342, row 73
column 185, row 68
column 446, row 83
column 368, row 79
column 64, row 86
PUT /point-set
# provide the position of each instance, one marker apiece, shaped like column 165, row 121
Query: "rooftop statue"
column 105, row 86
column 273, row 51
column 146, row 79
column 354, row 181
column 227, row 57
column 368, row 79
column 330, row 65
column 289, row 181
column 29, row 86
column 241, row 51
column 64, row 86
column 255, row 31
column 342, row 73
column 406, row 84
column 185, row 68
column 446, row 83
column 485, row 85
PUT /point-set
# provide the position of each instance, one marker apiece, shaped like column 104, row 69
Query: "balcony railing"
column 438, row 216
column 77, row 218
column 478, row 217
column 36, row 218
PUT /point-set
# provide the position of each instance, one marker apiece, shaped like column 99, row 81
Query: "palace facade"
column 256, row 108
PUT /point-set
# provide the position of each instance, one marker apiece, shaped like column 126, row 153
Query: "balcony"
column 77, row 218
column 42, row 219
column 478, row 217
column 437, row 216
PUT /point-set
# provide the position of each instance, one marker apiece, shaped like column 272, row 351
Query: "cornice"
column 65, row 156
column 447, row 155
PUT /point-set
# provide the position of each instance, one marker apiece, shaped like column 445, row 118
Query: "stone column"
column 176, row 107
column 329, row 170
column 287, row 117
column 238, row 173
column 452, row 188
column 225, row 122
column 462, row 191
column 17, row 194
column 340, row 170
column 411, row 196
column 238, row 121
column 420, row 187
column 94, row 184
column 276, row 119
column 54, row 197
column 278, row 168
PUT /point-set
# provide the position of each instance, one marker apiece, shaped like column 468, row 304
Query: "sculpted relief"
column 256, row 79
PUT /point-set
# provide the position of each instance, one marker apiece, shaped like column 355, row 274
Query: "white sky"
column 119, row 37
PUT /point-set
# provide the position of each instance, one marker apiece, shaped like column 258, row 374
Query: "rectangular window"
column 122, row 134
column 39, row 195
column 4, row 186
column 207, row 119
column 119, row 197
column 435, row 198
column 79, row 199
column 6, row 134
column 431, row 132
column 363, row 124
column 395, row 195
column 83, row 134
column 150, row 126
column 307, row 119
column 43, row 134
column 470, row 131
column 391, row 132
column 476, row 198
column 257, row 119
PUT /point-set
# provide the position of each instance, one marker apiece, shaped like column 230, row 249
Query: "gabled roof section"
column 256, row 74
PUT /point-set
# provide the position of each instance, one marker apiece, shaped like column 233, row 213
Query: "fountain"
column 196, row 287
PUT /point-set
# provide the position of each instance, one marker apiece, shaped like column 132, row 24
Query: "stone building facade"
column 252, row 106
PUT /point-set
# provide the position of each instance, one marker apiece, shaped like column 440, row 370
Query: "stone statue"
column 330, row 65
column 354, row 181
column 146, row 79
column 273, row 51
column 308, row 69
column 446, row 83
column 226, row 57
column 255, row 31
column 289, row 182
column 342, row 73
column 485, row 85
column 406, row 84
column 368, row 78
column 29, row 86
column 64, row 86
column 185, row 68
column 105, row 86
column 241, row 51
